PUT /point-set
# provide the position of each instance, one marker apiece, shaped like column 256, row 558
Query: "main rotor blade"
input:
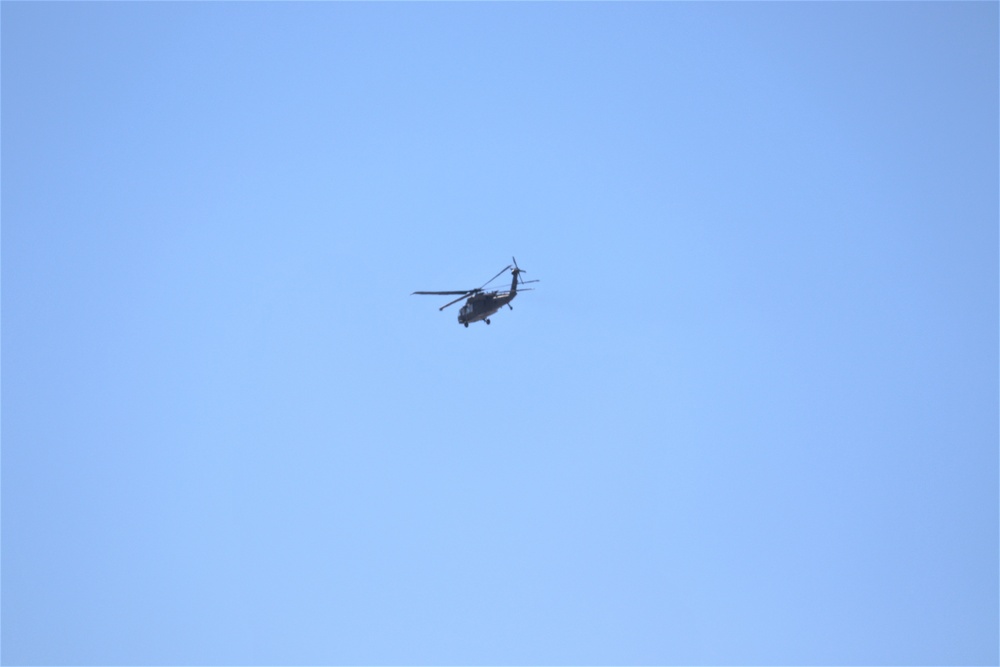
column 495, row 277
column 457, row 300
column 446, row 293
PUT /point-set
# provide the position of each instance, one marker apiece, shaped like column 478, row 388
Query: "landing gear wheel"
column 487, row 320
column 466, row 325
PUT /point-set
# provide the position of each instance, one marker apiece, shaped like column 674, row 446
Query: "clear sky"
column 750, row 416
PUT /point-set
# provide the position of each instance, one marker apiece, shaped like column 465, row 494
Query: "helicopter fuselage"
column 480, row 306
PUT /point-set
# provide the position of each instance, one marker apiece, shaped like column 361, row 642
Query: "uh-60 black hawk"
column 481, row 304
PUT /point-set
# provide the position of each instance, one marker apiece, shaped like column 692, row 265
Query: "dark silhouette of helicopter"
column 480, row 304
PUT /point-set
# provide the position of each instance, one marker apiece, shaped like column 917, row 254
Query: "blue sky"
column 750, row 416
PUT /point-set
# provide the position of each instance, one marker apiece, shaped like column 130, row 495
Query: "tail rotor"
column 517, row 271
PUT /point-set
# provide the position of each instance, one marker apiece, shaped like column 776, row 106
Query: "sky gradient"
column 749, row 416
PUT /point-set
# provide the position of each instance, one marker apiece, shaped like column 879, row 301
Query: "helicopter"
column 480, row 304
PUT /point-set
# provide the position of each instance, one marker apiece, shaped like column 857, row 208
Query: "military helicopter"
column 480, row 304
